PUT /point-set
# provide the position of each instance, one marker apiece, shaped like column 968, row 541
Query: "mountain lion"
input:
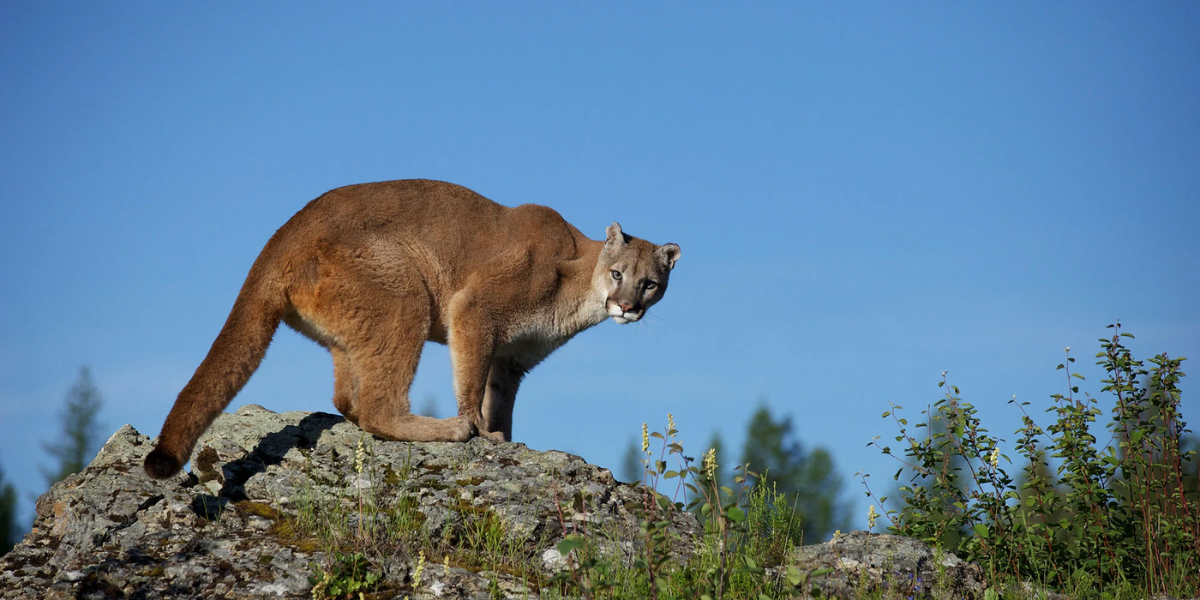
column 373, row 271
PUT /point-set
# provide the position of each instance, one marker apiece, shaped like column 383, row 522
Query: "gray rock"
column 904, row 566
column 476, row 519
column 244, row 523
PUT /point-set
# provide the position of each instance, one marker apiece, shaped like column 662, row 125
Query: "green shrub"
column 1114, row 518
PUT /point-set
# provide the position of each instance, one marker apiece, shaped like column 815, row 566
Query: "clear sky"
column 866, row 195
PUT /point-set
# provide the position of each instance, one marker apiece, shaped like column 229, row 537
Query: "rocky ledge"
column 276, row 504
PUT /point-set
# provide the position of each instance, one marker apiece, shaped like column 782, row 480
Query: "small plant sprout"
column 348, row 576
column 646, row 439
column 871, row 516
column 417, row 572
column 359, row 454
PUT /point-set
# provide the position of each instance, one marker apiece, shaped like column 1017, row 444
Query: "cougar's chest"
column 531, row 339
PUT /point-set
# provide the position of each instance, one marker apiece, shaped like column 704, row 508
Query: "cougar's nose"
column 625, row 307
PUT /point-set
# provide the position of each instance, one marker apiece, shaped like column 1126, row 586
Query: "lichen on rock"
column 234, row 526
column 271, row 495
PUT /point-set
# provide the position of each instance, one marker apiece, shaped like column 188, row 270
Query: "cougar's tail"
column 234, row 356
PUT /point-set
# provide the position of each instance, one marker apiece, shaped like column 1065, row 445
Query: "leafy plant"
column 749, row 528
column 1111, row 516
column 348, row 576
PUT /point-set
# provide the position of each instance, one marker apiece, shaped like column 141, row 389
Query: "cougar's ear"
column 615, row 236
column 667, row 254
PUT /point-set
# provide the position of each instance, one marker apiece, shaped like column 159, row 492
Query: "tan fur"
column 373, row 271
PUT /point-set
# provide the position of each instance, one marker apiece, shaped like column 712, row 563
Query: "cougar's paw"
column 494, row 436
column 461, row 429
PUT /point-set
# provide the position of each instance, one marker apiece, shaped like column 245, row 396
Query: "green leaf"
column 568, row 544
column 981, row 530
column 794, row 576
column 735, row 514
column 822, row 571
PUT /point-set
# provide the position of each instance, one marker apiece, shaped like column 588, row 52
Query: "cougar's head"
column 632, row 273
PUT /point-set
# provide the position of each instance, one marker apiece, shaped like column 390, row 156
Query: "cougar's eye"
column 616, row 274
column 651, row 285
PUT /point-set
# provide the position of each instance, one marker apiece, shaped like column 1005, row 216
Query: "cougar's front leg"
column 503, row 381
column 472, row 345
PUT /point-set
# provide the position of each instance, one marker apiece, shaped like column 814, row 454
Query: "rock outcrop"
column 276, row 504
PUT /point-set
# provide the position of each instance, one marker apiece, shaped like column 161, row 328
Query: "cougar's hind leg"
column 386, row 372
column 381, row 332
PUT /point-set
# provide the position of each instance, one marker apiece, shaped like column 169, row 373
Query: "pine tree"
column 632, row 469
column 8, row 515
column 809, row 480
column 1190, row 450
column 80, row 432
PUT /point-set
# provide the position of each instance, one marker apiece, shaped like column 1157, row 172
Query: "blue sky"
column 865, row 196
